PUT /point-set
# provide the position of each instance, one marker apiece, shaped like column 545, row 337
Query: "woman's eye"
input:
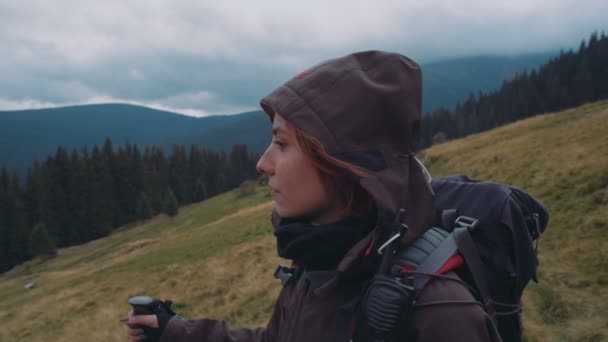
column 279, row 143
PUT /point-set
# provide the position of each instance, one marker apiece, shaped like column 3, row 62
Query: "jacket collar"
column 358, row 260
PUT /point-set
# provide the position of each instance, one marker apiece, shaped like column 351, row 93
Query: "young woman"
column 340, row 166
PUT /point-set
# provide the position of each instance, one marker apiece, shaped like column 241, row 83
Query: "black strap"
column 471, row 255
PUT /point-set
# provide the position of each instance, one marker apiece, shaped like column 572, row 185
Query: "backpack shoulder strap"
column 468, row 249
column 431, row 265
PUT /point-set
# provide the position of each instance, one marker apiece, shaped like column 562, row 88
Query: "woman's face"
column 295, row 184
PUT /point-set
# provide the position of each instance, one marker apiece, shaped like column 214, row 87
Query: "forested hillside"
column 571, row 79
column 82, row 195
column 446, row 83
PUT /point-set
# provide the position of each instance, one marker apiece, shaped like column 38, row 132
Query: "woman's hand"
column 135, row 332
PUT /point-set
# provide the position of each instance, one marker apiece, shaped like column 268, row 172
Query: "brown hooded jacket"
column 364, row 109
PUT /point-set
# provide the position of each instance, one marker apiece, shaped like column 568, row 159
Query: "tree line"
column 75, row 197
column 566, row 81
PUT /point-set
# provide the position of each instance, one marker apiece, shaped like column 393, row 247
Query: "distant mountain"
column 26, row 135
column 445, row 83
column 34, row 134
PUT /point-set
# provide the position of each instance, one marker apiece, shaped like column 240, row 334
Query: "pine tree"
column 180, row 175
column 239, row 165
column 211, row 172
column 59, row 215
column 197, row 169
column 78, row 195
column 6, row 261
column 170, row 206
column 100, row 211
column 157, row 178
column 41, row 243
column 199, row 192
column 125, row 200
column 144, row 209
column 17, row 221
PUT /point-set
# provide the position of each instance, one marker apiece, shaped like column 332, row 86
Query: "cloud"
column 7, row 104
column 136, row 75
column 172, row 53
column 196, row 104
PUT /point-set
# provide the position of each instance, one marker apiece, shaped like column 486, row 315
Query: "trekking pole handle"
column 142, row 305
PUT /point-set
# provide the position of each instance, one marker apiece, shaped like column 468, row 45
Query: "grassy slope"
column 215, row 259
column 195, row 259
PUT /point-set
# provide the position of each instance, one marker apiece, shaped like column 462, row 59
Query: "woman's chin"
column 283, row 212
column 287, row 214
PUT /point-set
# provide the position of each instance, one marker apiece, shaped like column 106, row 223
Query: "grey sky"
column 201, row 57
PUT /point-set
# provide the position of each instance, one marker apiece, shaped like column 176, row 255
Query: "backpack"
column 495, row 228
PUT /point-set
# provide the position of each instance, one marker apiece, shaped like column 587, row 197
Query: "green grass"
column 216, row 258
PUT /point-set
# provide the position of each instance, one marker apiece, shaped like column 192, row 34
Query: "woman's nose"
column 264, row 164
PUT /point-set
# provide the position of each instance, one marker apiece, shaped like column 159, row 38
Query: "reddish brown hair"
column 337, row 176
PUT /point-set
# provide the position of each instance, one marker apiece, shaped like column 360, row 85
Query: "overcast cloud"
column 210, row 57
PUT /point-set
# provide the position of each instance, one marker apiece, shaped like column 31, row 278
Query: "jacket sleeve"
column 209, row 330
column 437, row 320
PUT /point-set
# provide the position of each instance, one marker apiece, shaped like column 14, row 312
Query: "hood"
column 364, row 108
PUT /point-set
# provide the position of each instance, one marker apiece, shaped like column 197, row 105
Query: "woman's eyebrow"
column 277, row 130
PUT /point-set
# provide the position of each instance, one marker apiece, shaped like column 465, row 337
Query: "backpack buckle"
column 466, row 222
column 403, row 228
column 534, row 232
column 397, row 229
column 283, row 273
column 535, row 229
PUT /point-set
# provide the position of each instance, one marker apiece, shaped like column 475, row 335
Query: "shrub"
column 144, row 207
column 439, row 138
column 41, row 243
column 263, row 180
column 247, row 188
column 170, row 206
